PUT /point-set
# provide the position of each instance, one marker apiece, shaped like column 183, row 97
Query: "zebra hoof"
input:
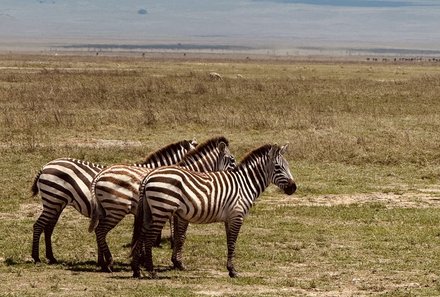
column 106, row 268
column 52, row 261
column 152, row 275
column 136, row 274
column 233, row 273
column 36, row 260
column 179, row 266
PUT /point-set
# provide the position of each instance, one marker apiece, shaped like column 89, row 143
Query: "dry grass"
column 352, row 127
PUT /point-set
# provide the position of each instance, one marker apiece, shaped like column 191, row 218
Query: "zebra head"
column 281, row 175
column 226, row 160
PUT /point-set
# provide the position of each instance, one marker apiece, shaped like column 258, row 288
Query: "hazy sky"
column 403, row 23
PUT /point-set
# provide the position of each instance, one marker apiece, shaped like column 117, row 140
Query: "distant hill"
column 280, row 26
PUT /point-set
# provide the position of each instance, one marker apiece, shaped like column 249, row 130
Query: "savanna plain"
column 364, row 149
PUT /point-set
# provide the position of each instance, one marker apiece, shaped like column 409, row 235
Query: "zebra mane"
column 162, row 151
column 256, row 153
column 213, row 142
column 87, row 163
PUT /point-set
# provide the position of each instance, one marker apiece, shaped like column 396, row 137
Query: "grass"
column 353, row 128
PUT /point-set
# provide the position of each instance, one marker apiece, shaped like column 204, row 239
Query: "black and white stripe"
column 116, row 190
column 67, row 181
column 205, row 198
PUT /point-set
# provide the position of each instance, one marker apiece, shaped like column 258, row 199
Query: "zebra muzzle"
column 290, row 189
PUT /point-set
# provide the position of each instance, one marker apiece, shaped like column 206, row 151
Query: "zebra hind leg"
column 48, row 231
column 137, row 256
column 158, row 242
column 180, row 227
column 45, row 223
column 38, row 229
column 105, row 258
column 151, row 232
column 143, row 252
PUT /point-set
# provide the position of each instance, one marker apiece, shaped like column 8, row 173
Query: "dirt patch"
column 28, row 210
column 89, row 143
column 422, row 198
column 102, row 143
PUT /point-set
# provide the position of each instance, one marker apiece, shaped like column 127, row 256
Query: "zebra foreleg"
column 179, row 239
column 232, row 229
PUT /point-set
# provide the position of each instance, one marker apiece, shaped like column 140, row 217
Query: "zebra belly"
column 181, row 213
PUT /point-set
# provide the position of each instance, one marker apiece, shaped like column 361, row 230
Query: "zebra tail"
column 96, row 209
column 34, row 187
column 96, row 214
column 139, row 217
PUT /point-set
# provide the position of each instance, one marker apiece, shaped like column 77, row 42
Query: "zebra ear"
column 191, row 144
column 222, row 146
column 283, row 149
column 273, row 151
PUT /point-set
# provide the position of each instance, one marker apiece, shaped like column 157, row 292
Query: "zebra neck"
column 253, row 179
column 163, row 158
column 201, row 162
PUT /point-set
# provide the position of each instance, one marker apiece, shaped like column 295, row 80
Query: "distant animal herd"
column 403, row 59
column 184, row 182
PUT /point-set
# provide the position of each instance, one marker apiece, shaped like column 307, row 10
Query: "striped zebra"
column 116, row 190
column 67, row 181
column 204, row 198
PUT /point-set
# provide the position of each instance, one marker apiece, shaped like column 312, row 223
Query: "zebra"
column 67, row 181
column 204, row 198
column 116, row 190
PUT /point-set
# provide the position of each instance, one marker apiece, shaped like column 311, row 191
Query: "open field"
column 364, row 150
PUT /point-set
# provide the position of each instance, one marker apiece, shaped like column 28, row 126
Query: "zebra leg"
column 38, row 229
column 151, row 235
column 179, row 239
column 173, row 222
column 159, row 237
column 137, row 255
column 48, row 231
column 158, row 242
column 105, row 258
column 232, row 230
column 142, row 249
